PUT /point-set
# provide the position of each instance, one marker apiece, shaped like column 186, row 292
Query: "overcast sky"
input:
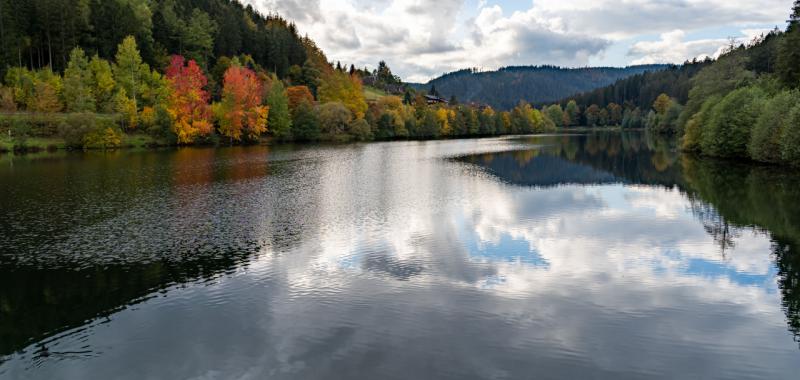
column 421, row 39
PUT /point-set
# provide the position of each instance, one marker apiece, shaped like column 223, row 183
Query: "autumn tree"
column 615, row 114
column 662, row 104
column 346, row 89
column 102, row 84
column 334, row 118
column 188, row 101
column 297, row 95
column 48, row 87
column 592, row 115
column 240, row 112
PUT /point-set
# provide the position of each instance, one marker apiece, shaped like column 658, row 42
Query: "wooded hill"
column 40, row 33
column 504, row 88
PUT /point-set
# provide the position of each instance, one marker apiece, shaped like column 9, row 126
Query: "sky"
column 422, row 39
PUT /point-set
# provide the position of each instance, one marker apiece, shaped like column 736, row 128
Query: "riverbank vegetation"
column 744, row 105
column 184, row 72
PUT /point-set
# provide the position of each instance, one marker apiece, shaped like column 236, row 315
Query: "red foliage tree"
column 298, row 94
column 240, row 111
column 188, row 101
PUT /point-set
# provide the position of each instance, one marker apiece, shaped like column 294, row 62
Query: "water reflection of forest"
column 727, row 197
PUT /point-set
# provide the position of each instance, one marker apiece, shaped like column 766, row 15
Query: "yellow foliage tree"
column 346, row 89
column 443, row 116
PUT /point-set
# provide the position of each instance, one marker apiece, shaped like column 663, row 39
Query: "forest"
column 504, row 88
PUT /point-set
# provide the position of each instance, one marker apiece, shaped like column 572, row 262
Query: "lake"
column 600, row 255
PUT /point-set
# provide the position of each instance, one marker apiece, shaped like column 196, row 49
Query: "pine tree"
column 788, row 65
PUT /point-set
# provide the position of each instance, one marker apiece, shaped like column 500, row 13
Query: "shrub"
column 730, row 123
column 85, row 130
column 765, row 142
column 305, row 123
column 790, row 142
column 360, row 130
column 75, row 127
column 333, row 117
column 694, row 128
column 105, row 136
column 20, row 132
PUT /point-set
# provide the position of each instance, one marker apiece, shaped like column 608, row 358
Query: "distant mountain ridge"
column 504, row 88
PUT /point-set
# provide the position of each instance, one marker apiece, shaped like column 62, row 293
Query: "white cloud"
column 672, row 47
column 421, row 39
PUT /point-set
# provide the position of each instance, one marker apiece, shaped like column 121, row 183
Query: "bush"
column 86, row 130
column 103, row 137
column 790, row 142
column 731, row 122
column 333, row 117
column 360, row 130
column 305, row 123
column 75, row 127
column 159, row 125
column 765, row 142
column 20, row 132
column 694, row 128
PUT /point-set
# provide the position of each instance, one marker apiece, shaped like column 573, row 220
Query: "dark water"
column 606, row 256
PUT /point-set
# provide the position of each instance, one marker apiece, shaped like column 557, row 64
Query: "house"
column 431, row 99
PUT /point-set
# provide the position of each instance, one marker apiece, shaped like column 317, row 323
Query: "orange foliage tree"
column 240, row 110
column 188, row 100
column 298, row 94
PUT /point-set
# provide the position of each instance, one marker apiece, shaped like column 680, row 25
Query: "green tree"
column 573, row 112
column 765, row 142
column 790, row 142
column 129, row 70
column 305, row 124
column 78, row 83
column 729, row 127
column 198, row 37
column 429, row 125
column 386, row 126
column 359, row 130
column 280, row 120
column 693, row 134
column 788, row 65
column 555, row 114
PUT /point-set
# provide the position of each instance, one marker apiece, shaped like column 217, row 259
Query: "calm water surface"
column 606, row 256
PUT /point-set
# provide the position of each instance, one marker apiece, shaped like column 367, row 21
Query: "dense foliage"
column 40, row 33
column 641, row 90
column 504, row 88
column 182, row 106
column 746, row 104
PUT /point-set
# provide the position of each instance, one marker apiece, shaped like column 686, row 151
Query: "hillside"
column 641, row 90
column 503, row 89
